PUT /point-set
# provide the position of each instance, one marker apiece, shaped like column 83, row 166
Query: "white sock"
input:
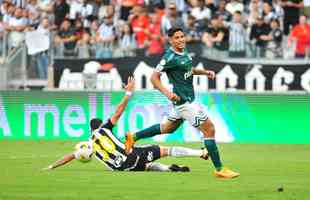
column 184, row 152
column 158, row 167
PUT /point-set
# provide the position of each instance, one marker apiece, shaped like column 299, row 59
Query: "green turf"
column 263, row 169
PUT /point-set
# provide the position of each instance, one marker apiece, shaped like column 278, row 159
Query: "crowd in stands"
column 116, row 28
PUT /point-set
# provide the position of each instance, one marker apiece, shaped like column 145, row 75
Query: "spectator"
column 171, row 19
column 34, row 14
column 258, row 34
column 46, row 7
column 78, row 29
column 126, row 6
column 237, row 37
column 25, row 17
column 65, row 40
column 42, row 58
column 75, row 9
column 193, row 34
column 87, row 13
column 278, row 10
column 61, row 11
column 33, row 18
column 110, row 11
column 105, row 38
column 180, row 5
column 84, row 45
column 8, row 15
column 274, row 47
column 268, row 13
column 222, row 12
column 301, row 36
column 217, row 37
column 99, row 9
column 156, row 40
column 211, row 5
column 32, row 5
column 255, row 10
column 233, row 6
column 4, row 8
column 160, row 12
column 200, row 11
column 126, row 42
column 157, row 4
column 18, row 3
column 194, row 31
column 16, row 27
column 291, row 13
column 140, row 25
column 94, row 27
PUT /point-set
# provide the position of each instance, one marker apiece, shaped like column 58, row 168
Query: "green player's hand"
column 210, row 74
column 173, row 97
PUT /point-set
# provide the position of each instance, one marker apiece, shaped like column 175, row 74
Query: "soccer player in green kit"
column 177, row 64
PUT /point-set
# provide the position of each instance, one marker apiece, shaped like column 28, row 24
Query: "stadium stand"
column 104, row 29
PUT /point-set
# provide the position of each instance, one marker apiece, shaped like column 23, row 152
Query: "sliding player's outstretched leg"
column 208, row 130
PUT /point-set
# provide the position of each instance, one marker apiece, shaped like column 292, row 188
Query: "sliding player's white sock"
column 158, row 167
column 183, row 152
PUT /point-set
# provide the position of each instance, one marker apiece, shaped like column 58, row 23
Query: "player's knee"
column 169, row 126
column 166, row 128
column 212, row 130
column 164, row 151
column 208, row 129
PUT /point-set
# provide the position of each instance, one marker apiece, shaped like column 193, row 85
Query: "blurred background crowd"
column 120, row 28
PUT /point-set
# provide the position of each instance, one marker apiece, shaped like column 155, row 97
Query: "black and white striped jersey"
column 107, row 148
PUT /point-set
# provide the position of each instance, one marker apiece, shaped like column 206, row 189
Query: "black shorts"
column 140, row 156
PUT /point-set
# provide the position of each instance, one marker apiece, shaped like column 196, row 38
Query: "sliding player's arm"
column 130, row 87
column 209, row 73
column 66, row 159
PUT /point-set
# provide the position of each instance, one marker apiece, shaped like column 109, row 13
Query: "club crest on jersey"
column 161, row 65
column 188, row 74
column 189, row 57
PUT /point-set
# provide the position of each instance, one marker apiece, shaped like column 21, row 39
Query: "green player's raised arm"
column 123, row 104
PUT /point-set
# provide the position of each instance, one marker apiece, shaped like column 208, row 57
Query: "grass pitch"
column 263, row 168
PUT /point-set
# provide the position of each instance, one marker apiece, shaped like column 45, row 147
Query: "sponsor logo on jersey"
column 150, row 156
column 188, row 74
column 118, row 161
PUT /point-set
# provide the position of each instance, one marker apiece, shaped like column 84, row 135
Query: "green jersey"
column 178, row 67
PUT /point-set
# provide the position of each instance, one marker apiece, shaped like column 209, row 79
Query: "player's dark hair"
column 173, row 30
column 95, row 123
